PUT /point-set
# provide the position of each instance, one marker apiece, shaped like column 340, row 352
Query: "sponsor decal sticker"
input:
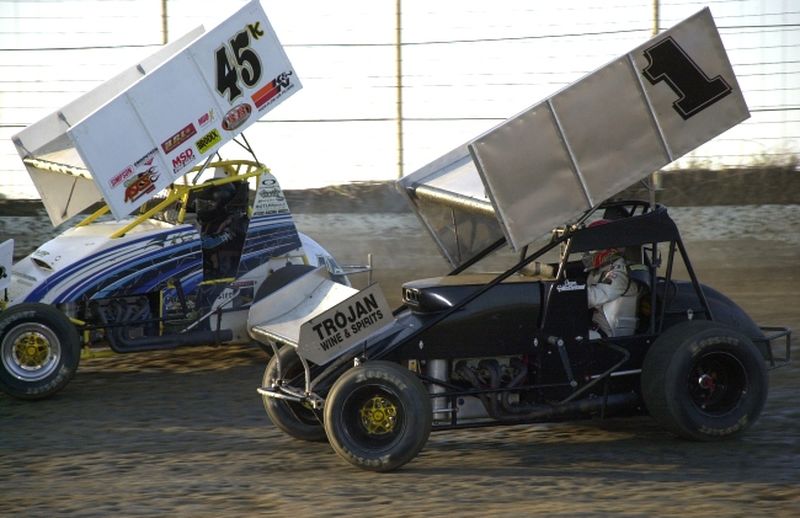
column 121, row 177
column 236, row 116
column 178, row 138
column 269, row 197
column 140, row 185
column 208, row 141
column 206, row 118
column 570, row 286
column 272, row 90
column 180, row 161
column 345, row 325
column 147, row 160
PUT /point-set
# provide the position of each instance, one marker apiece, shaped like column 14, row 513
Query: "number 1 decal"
column 667, row 61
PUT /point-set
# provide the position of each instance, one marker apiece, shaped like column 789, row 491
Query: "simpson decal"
column 121, row 177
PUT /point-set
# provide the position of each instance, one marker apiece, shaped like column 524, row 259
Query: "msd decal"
column 272, row 90
column 181, row 160
column 236, row 116
column 179, row 138
column 142, row 184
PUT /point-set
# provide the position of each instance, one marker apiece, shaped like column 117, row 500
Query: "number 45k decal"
column 667, row 61
column 236, row 61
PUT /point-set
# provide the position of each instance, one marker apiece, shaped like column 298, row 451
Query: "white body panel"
column 6, row 257
column 130, row 138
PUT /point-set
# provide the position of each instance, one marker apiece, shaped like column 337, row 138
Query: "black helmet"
column 211, row 202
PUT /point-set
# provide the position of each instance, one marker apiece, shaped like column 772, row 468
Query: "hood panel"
column 77, row 261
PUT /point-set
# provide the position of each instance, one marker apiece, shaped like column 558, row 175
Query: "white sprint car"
column 181, row 243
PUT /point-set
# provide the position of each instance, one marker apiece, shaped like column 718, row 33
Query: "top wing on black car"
column 568, row 153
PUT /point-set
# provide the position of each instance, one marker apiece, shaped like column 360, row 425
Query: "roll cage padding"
column 652, row 227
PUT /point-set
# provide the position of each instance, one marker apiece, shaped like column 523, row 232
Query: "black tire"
column 293, row 418
column 378, row 416
column 703, row 381
column 39, row 351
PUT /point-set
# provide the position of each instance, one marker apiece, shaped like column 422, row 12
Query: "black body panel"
column 503, row 321
column 515, row 315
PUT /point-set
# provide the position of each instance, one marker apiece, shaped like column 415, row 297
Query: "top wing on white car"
column 568, row 153
column 137, row 133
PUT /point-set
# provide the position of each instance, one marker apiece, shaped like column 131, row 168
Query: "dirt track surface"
column 183, row 433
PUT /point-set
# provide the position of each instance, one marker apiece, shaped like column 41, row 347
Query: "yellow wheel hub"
column 378, row 415
column 31, row 349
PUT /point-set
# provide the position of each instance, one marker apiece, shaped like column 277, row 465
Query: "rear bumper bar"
column 777, row 345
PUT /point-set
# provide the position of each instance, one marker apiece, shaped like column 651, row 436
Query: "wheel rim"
column 373, row 416
column 378, row 415
column 717, row 383
column 31, row 352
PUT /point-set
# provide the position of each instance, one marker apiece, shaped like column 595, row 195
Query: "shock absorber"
column 437, row 369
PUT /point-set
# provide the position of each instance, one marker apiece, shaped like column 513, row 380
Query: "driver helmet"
column 599, row 258
column 211, row 203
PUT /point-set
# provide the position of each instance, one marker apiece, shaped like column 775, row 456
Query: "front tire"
column 39, row 351
column 703, row 381
column 378, row 416
column 293, row 418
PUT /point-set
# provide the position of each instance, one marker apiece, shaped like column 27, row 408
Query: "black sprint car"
column 470, row 350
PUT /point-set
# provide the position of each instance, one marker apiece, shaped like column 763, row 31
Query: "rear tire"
column 378, row 416
column 703, row 381
column 39, row 350
column 293, row 418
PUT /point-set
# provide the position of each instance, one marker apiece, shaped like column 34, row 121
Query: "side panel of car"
column 503, row 321
column 129, row 265
column 682, row 304
column 141, row 264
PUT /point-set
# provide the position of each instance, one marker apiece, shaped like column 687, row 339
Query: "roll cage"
column 178, row 195
column 635, row 225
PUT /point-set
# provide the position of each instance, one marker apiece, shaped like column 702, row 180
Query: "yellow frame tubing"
column 233, row 168
column 91, row 218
